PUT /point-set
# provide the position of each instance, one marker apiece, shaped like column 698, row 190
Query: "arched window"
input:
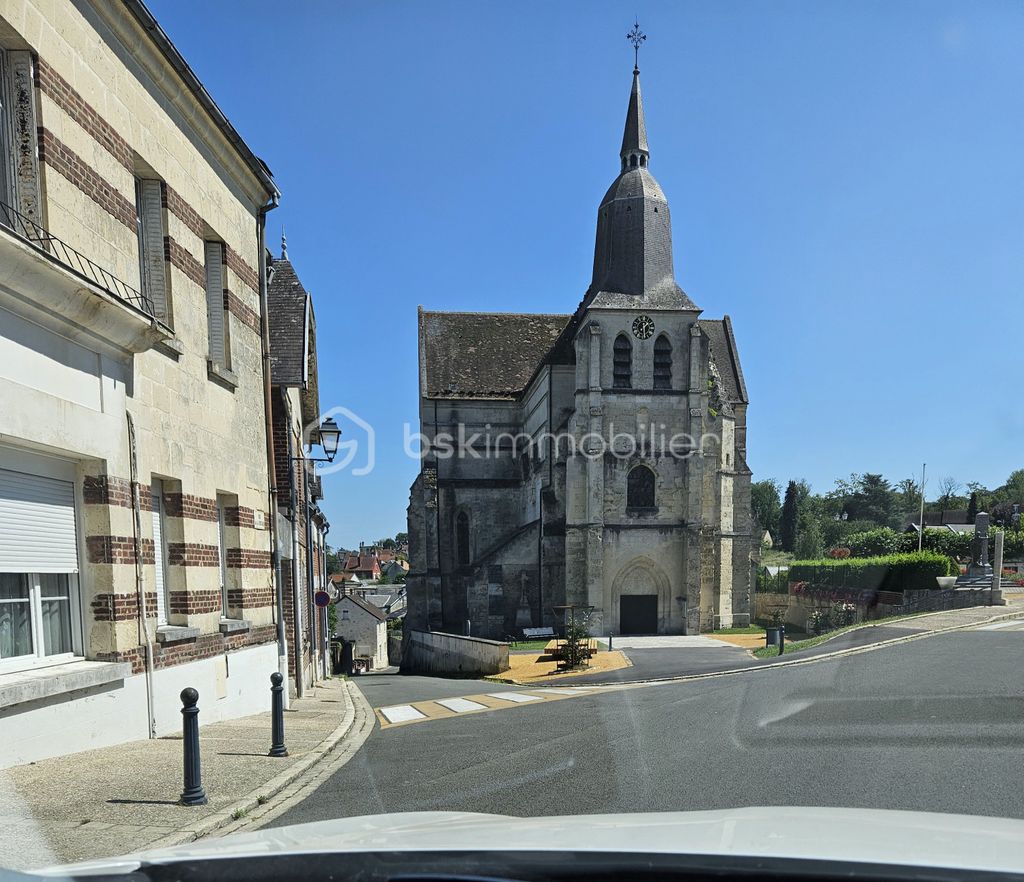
column 632, row 160
column 622, row 363
column 643, row 161
column 640, row 488
column 462, row 539
column 662, row 363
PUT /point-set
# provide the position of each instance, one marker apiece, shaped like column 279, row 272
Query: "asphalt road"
column 935, row 724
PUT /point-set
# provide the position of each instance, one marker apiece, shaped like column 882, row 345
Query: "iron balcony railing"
column 27, row 229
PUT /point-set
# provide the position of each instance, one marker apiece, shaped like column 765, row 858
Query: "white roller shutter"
column 158, row 551
column 37, row 524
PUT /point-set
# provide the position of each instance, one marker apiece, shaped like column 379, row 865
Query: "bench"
column 537, row 633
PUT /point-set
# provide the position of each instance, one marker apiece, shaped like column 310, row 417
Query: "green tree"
column 789, row 517
column 972, row 507
column 766, row 505
column 873, row 499
column 808, row 543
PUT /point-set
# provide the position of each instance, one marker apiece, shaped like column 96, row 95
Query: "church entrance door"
column 638, row 614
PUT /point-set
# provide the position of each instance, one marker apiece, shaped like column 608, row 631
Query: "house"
column 365, row 624
column 136, row 525
column 364, row 566
column 618, row 479
column 295, row 411
column 394, row 569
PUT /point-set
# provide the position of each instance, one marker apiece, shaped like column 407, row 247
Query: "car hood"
column 832, row 834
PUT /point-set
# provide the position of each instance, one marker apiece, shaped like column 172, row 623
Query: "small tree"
column 972, row 507
column 577, row 640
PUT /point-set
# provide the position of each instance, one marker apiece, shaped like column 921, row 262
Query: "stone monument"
column 980, row 568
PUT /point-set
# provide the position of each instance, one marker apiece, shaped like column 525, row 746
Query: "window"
column 462, row 539
column 38, row 566
column 662, row 363
column 222, row 556
column 216, row 314
column 622, row 363
column 640, row 488
column 345, row 615
column 159, row 551
column 35, row 615
column 152, row 258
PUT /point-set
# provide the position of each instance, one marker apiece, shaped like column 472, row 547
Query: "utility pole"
column 920, row 533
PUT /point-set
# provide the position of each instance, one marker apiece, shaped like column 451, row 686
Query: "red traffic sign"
column 322, row 599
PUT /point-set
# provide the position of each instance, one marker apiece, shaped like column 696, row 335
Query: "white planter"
column 946, row 582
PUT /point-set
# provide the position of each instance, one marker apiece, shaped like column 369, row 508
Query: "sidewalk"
column 121, row 799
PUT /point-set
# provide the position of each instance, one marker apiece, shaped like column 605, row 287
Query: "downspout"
column 293, row 497
column 140, row 587
column 275, row 557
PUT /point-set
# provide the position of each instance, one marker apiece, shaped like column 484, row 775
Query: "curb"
column 868, row 647
column 237, row 814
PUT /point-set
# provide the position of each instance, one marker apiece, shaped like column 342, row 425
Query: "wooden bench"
column 537, row 633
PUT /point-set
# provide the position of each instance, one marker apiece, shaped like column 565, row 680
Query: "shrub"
column 839, row 553
column 893, row 572
column 829, row 618
column 873, row 543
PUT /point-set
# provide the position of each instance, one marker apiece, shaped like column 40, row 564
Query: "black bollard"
column 193, row 794
column 277, row 747
column 782, row 639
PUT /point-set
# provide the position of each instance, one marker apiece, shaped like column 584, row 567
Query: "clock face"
column 643, row 327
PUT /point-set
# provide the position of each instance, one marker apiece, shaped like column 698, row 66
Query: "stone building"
column 608, row 463
column 135, row 542
column 295, row 407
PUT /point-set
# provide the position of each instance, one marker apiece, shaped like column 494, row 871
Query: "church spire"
column 634, row 150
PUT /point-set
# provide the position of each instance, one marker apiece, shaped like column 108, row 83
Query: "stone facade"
column 608, row 464
column 143, row 361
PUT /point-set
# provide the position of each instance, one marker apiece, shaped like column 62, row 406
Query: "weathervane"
column 636, row 37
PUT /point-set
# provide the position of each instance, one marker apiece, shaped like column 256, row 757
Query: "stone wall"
column 452, row 655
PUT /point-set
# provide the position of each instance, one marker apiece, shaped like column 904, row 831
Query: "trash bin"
column 771, row 635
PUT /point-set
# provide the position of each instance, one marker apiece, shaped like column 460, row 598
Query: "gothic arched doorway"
column 640, row 598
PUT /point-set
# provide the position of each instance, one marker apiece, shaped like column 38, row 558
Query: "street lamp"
column 328, row 434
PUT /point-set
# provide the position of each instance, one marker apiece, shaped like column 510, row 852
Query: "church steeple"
column 633, row 251
column 634, row 152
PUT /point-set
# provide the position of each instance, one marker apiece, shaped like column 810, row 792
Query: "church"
column 595, row 459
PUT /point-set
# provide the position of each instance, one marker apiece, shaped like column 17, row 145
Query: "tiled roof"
column 288, row 338
column 483, row 354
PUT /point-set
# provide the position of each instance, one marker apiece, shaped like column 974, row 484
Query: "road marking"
column 461, row 705
column 402, row 713
column 579, row 690
column 514, row 696
column 995, row 626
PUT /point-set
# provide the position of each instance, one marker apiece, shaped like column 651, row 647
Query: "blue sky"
column 845, row 180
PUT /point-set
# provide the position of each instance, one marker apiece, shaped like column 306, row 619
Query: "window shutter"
column 215, row 301
column 158, row 553
column 154, row 264
column 37, row 524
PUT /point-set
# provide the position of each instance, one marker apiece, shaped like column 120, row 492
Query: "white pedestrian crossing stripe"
column 461, row 705
column 402, row 713
column 514, row 696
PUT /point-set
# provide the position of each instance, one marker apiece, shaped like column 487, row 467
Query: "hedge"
column 884, row 541
column 892, row 572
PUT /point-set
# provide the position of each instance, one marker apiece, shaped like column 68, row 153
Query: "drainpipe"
column 326, row 642
column 293, row 497
column 144, row 636
column 275, row 557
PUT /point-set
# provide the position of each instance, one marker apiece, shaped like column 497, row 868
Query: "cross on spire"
column 636, row 37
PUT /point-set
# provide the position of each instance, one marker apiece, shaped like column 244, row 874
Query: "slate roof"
column 724, row 354
column 287, row 301
column 374, row 611
column 483, row 354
